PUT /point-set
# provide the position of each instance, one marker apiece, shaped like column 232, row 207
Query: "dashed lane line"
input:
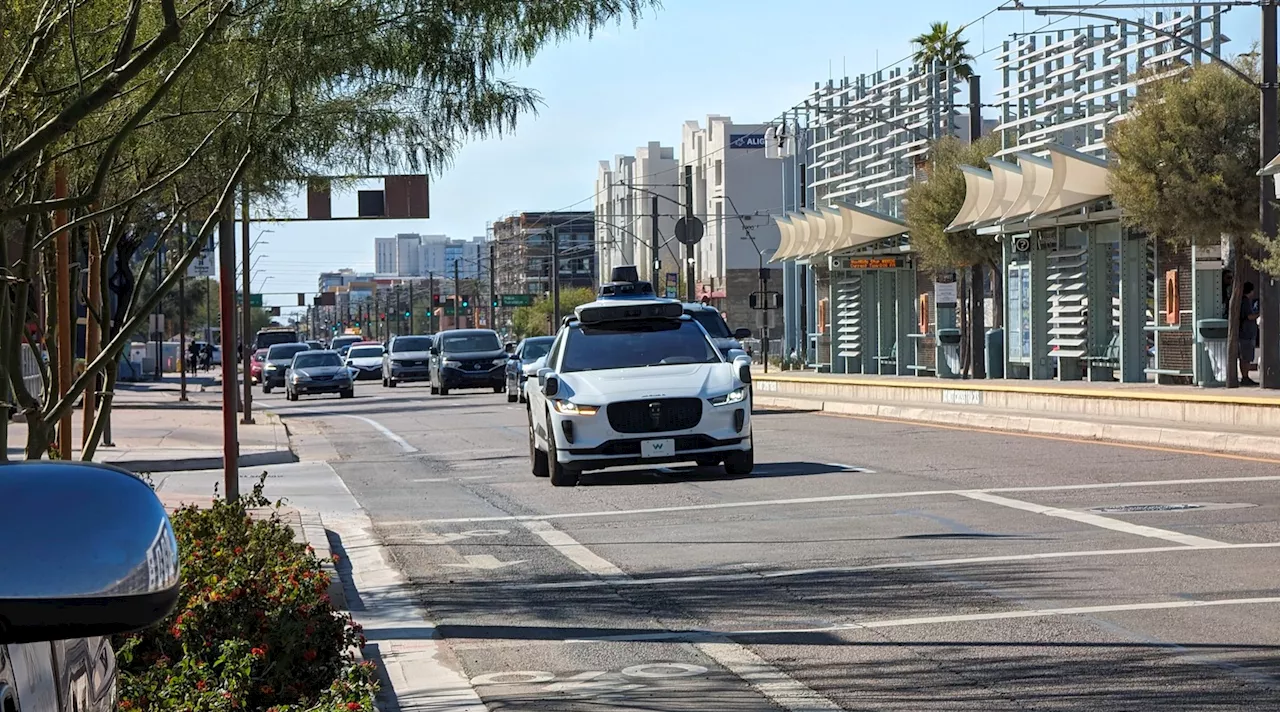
column 404, row 444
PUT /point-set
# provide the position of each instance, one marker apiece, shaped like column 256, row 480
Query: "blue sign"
column 746, row 141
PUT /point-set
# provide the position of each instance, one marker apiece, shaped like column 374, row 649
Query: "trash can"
column 948, row 353
column 1213, row 338
column 995, row 353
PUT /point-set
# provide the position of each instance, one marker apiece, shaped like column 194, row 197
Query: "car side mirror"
column 433, row 351
column 550, row 385
column 741, row 334
column 116, row 556
column 744, row 368
column 543, row 372
column 733, row 355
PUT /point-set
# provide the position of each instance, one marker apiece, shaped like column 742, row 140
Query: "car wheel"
column 537, row 458
column 522, row 397
column 741, row 462
column 511, row 397
column 266, row 389
column 349, row 393
column 561, row 476
column 708, row 461
column 499, row 389
column 434, row 390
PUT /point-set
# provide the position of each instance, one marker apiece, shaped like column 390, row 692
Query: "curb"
column 1173, row 438
column 315, row 536
column 186, row 464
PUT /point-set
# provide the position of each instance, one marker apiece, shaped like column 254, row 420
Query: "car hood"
column 473, row 355
column 410, row 356
column 314, row 371
column 281, row 363
column 365, row 361
column 680, row 381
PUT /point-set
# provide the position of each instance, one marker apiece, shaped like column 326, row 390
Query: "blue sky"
column 748, row 59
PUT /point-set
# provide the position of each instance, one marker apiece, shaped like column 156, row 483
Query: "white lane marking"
column 454, row 479
column 474, row 451
column 484, row 562
column 850, row 498
column 404, row 444
column 575, row 552
column 929, row 563
column 785, row 691
column 851, row 468
column 1097, row 520
column 696, row 635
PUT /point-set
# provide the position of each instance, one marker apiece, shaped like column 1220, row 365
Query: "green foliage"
column 944, row 46
column 932, row 203
column 533, row 320
column 253, row 629
column 1186, row 158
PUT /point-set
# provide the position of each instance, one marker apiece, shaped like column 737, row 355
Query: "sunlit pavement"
column 865, row 565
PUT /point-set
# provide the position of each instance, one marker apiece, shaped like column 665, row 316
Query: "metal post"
column 654, row 239
column 226, row 302
column 399, row 312
column 410, row 306
column 764, row 321
column 159, row 335
column 431, row 302
column 688, row 249
column 555, row 279
column 493, row 286
column 92, row 335
column 246, row 310
column 1268, row 289
column 208, row 311
column 182, row 345
column 457, row 297
column 63, row 317
column 977, row 273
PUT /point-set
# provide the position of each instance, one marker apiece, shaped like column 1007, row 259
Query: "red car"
column 255, row 365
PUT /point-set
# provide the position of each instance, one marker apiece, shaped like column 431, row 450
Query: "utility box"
column 995, row 353
column 1212, row 337
column 948, row 360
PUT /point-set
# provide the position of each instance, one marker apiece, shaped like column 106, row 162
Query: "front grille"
column 684, row 443
column 322, row 378
column 655, row 416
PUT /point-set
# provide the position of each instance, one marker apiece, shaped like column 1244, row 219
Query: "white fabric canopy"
column 1037, row 178
column 1007, row 178
column 810, row 233
column 979, row 186
column 786, row 237
column 1077, row 179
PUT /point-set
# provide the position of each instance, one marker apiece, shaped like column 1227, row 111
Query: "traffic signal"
column 335, row 328
column 495, row 303
column 466, row 302
column 436, row 300
column 407, row 313
column 383, row 316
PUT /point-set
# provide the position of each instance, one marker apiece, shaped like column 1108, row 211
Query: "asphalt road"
column 866, row 565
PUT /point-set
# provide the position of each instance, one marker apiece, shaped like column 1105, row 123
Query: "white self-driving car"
column 632, row 380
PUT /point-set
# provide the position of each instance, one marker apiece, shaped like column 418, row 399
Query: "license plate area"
column 657, row 448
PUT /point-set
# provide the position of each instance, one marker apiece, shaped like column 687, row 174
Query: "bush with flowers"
column 254, row 628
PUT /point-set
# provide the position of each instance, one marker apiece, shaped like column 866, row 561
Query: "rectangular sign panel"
column 746, row 140
column 517, row 300
column 879, row 262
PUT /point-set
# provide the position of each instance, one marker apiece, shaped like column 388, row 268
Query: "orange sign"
column 875, row 262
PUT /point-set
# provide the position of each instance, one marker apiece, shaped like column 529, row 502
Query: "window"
column 640, row 344
column 410, row 343
column 712, row 322
column 719, row 172
column 535, row 349
column 285, row 352
column 365, row 352
column 317, row 360
column 468, row 342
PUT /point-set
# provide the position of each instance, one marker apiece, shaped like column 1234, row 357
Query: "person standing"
column 1248, row 333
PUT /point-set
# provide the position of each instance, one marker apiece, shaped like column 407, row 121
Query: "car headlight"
column 565, row 407
column 453, row 364
column 269, row 367
column 736, row 396
column 500, row 361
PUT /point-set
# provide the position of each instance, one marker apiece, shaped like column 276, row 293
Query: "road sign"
column 155, row 322
column 517, row 300
column 201, row 266
column 255, row 300
column 764, row 301
column 689, row 231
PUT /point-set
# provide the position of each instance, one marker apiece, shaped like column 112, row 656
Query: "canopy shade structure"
column 842, row 226
column 1272, row 169
column 979, row 187
column 1007, row 178
column 1077, row 179
column 1037, row 175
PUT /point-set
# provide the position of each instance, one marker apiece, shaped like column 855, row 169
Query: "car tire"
column 434, row 390
column 349, row 393
column 741, row 462
column 499, row 389
column 521, row 397
column 444, row 391
column 537, row 458
column 511, row 397
column 266, row 389
column 391, row 383
column 561, row 476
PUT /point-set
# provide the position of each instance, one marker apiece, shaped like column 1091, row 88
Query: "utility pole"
column 246, row 310
column 62, row 249
column 493, row 285
column 399, row 311
column 431, row 302
column 410, row 306
column 457, row 297
column 1268, row 290
column 227, row 303
column 653, row 241
column 977, row 274
column 555, row 279
column 688, row 249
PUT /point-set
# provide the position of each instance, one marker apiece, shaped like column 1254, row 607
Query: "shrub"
column 253, row 629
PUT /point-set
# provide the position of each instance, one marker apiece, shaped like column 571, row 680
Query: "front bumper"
column 313, row 387
column 410, row 373
column 589, row 442
column 372, row 373
column 273, row 379
column 457, row 378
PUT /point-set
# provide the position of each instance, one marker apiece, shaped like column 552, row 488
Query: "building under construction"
column 528, row 243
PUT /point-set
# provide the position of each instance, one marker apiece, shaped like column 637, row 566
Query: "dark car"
column 527, row 351
column 279, row 358
column 272, row 335
column 316, row 345
column 467, row 358
column 408, row 358
column 318, row 372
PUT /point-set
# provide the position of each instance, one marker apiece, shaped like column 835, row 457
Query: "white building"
column 410, row 255
column 624, row 206
column 735, row 189
column 384, row 255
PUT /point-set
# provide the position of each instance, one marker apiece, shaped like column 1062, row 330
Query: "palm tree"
column 945, row 47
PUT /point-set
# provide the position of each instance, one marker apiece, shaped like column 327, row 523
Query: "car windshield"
column 365, row 352
column 410, row 343
column 712, row 322
column 653, row 343
column 284, row 352
column 463, row 343
column 341, row 341
column 534, row 350
column 316, row 360
column 259, row 355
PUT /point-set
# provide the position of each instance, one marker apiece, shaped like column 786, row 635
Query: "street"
column 865, row 565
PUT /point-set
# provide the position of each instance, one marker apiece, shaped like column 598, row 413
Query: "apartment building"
column 629, row 192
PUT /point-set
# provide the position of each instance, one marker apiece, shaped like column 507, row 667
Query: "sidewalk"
column 154, row 432
column 1243, row 421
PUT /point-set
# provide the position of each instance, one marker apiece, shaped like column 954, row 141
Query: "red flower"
column 353, row 706
column 311, row 629
column 200, row 685
column 126, row 704
column 227, row 695
column 257, row 652
column 309, row 655
column 238, row 550
column 176, row 631
column 267, row 689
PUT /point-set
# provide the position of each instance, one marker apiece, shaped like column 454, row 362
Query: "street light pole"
column 493, row 286
column 1268, row 289
column 688, row 249
column 555, row 279
column 246, row 309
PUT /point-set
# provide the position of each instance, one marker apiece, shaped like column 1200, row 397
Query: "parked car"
column 318, row 371
column 256, row 362
column 526, row 352
column 408, row 358
column 279, row 358
column 365, row 360
column 467, row 358
column 105, row 562
column 709, row 318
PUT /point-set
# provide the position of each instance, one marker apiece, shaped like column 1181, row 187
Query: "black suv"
column 467, row 358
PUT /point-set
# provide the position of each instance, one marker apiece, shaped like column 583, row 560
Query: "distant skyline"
column 746, row 59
